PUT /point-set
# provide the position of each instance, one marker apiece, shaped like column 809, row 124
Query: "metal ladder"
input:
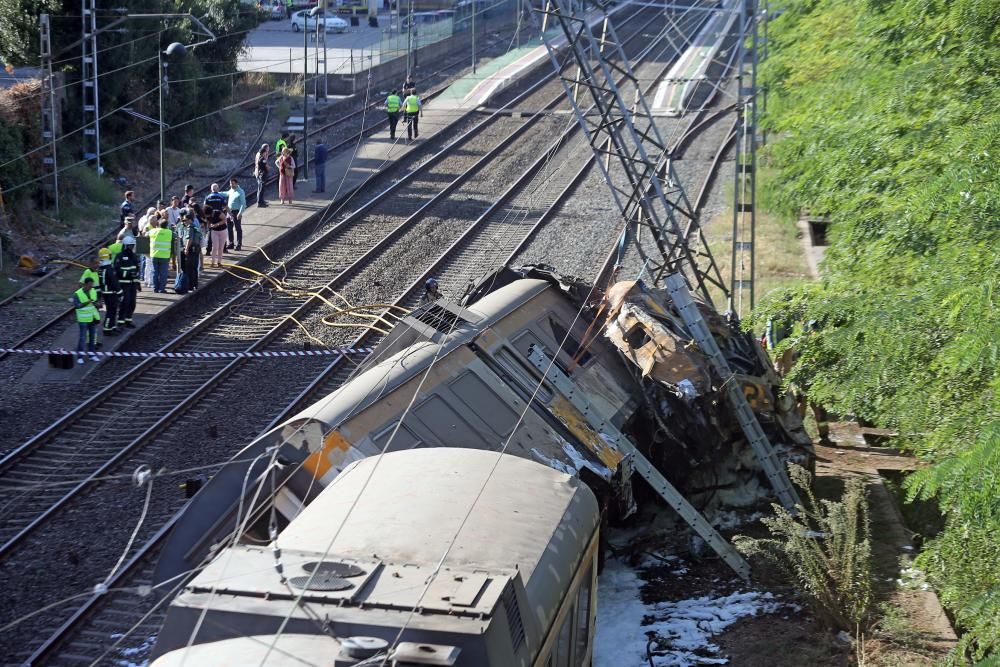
column 642, row 465
column 688, row 309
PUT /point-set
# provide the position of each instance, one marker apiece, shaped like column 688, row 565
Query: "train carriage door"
column 483, row 402
column 403, row 439
column 448, row 428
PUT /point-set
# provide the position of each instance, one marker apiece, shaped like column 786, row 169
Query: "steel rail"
column 192, row 397
column 363, row 340
column 349, row 141
column 243, row 167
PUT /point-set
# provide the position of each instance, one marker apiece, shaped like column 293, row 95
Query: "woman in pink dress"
column 286, row 176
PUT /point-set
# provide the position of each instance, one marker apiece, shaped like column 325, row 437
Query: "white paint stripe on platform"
column 693, row 64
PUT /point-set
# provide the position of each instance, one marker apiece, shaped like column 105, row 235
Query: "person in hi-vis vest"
column 412, row 108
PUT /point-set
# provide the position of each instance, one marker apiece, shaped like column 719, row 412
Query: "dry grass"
column 780, row 261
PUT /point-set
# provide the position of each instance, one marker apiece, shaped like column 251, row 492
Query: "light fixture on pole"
column 178, row 50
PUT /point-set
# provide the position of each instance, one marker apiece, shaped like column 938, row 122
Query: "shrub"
column 825, row 548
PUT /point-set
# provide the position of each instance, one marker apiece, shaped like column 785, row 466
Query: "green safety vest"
column 115, row 249
column 278, row 145
column 412, row 103
column 90, row 273
column 159, row 243
column 87, row 311
column 392, row 103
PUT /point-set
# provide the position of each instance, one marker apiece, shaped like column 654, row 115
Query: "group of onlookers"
column 287, row 163
column 177, row 236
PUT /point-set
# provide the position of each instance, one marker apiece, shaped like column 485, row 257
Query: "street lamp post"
column 175, row 49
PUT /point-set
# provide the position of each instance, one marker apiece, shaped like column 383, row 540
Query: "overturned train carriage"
column 537, row 366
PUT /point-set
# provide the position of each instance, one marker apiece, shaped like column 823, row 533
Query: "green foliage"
column 885, row 115
column 826, row 548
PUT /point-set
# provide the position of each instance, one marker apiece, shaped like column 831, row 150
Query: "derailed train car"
column 483, row 374
column 440, row 556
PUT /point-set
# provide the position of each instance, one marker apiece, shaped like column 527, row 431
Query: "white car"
column 302, row 20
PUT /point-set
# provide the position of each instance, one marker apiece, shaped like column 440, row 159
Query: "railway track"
column 28, row 504
column 347, row 129
column 222, row 338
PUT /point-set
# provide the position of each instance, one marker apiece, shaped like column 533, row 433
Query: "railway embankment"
column 882, row 116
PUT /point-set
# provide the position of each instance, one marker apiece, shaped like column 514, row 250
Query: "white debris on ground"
column 681, row 631
column 134, row 656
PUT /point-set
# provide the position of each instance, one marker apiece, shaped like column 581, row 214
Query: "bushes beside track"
column 886, row 116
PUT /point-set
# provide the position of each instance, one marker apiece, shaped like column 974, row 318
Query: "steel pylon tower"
column 652, row 198
column 88, row 78
column 48, row 107
column 743, row 269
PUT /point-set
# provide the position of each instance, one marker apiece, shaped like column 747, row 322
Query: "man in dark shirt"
column 319, row 165
column 188, row 195
column 216, row 200
column 260, row 172
column 127, row 207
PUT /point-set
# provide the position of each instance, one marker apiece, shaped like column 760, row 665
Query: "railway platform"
column 346, row 172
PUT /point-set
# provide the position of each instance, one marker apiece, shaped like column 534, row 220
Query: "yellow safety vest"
column 392, row 103
column 412, row 103
column 90, row 273
column 87, row 311
column 115, row 249
column 159, row 243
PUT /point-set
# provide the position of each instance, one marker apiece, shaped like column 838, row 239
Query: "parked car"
column 302, row 20
column 276, row 11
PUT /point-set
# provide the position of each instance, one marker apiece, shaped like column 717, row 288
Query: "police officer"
column 111, row 292
column 411, row 106
column 393, row 104
column 84, row 302
column 127, row 270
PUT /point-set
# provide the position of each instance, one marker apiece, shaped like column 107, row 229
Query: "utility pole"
column 49, row 107
column 304, row 158
column 473, row 36
column 409, row 39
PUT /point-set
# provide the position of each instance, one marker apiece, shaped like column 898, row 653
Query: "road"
column 274, row 47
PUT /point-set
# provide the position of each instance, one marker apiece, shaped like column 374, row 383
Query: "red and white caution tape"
column 333, row 351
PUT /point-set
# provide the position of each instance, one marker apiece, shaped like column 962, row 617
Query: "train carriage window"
column 570, row 345
column 404, row 439
column 484, row 403
column 582, row 640
column 525, row 340
column 525, row 374
column 564, row 647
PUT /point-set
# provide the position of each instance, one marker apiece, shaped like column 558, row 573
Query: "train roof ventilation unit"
column 333, row 568
column 509, row 598
column 327, row 575
column 439, row 317
column 320, row 582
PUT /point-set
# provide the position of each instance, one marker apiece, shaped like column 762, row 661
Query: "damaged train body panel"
column 470, row 375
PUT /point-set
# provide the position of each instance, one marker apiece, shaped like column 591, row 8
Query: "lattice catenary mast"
column 652, row 198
